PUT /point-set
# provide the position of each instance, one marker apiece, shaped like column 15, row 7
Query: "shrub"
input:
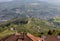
column 50, row 32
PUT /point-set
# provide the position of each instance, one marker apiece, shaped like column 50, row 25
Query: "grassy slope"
column 6, row 33
column 36, row 24
column 32, row 27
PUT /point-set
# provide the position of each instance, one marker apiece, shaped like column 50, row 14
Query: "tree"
column 50, row 32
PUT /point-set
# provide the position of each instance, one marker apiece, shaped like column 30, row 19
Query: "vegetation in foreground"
column 34, row 26
column 6, row 33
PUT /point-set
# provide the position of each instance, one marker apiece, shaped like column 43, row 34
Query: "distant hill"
column 28, row 8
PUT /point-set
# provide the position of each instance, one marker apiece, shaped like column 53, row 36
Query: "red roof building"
column 34, row 38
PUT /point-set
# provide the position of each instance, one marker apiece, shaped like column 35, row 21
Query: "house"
column 33, row 38
column 11, row 28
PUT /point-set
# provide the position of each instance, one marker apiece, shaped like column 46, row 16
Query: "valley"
column 39, row 18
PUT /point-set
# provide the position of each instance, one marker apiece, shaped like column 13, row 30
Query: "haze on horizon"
column 5, row 0
column 37, row 0
column 50, row 0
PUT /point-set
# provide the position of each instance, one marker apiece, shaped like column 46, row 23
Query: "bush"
column 59, row 33
column 50, row 32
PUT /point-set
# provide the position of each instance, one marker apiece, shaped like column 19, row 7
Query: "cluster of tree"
column 36, row 26
column 6, row 25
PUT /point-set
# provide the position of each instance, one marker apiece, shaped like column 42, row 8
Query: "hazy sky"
column 4, row 0
column 51, row 0
column 39, row 0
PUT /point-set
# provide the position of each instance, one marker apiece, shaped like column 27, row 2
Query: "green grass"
column 6, row 33
column 32, row 27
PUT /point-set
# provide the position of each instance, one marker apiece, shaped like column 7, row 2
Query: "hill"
column 36, row 17
column 34, row 26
